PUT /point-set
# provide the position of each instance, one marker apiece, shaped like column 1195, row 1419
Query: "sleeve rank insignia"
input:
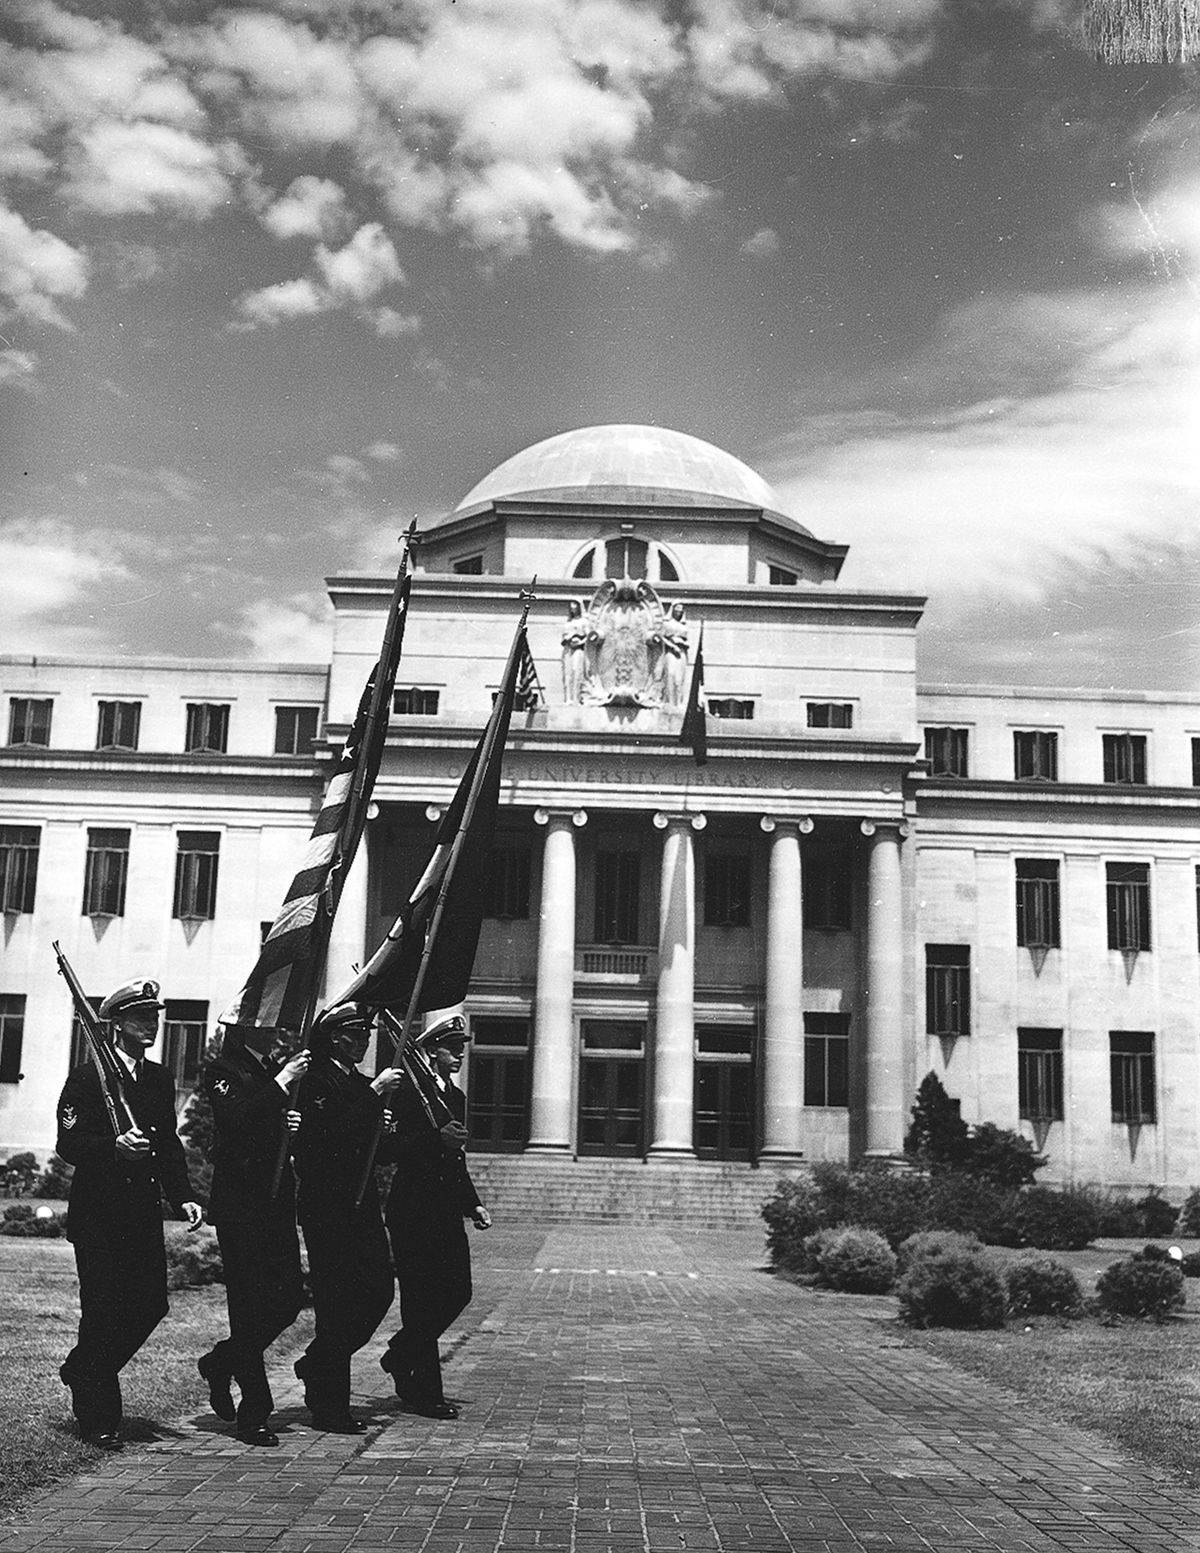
column 222, row 1086
column 69, row 1117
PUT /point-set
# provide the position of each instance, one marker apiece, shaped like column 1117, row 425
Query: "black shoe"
column 343, row 1424
column 220, row 1398
column 259, row 1434
column 300, row 1370
column 402, row 1382
column 431, row 1409
column 103, row 1439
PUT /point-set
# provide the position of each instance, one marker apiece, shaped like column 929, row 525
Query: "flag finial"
column 527, row 596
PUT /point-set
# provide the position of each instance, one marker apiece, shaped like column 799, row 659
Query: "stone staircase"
column 551, row 1189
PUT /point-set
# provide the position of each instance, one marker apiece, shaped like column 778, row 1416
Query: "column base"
column 785, row 1157
column 669, row 1151
column 893, row 1160
column 562, row 1150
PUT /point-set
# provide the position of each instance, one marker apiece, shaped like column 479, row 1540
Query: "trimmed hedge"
column 1141, row 1286
column 958, row 1289
column 935, row 1243
column 857, row 1261
column 1042, row 1286
column 22, row 1221
column 193, row 1259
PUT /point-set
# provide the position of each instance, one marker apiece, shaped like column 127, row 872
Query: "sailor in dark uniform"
column 254, row 1212
column 431, row 1196
column 115, row 1212
column 342, row 1136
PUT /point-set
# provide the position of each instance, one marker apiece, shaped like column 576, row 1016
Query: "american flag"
column 529, row 695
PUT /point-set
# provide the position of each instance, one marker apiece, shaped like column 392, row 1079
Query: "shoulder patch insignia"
column 319, row 1103
column 222, row 1086
column 68, row 1118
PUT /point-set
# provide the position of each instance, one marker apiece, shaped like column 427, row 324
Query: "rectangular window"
column 1196, row 762
column 105, row 873
column 1035, row 756
column 618, row 892
column 830, row 714
column 296, row 729
column 18, row 866
column 827, row 1060
column 80, row 1051
column 196, row 875
column 726, row 889
column 781, row 577
column 118, row 725
column 506, row 883
column 185, row 1035
column 29, row 721
column 12, row 1036
column 1128, row 889
column 469, row 566
column 207, row 729
column 1125, row 758
column 1131, row 1061
column 1040, row 1074
column 731, row 707
column 946, row 751
column 415, row 702
column 1198, row 905
column 827, row 888
column 1037, row 903
column 948, row 989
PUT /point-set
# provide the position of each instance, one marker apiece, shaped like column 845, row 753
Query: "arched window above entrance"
column 626, row 555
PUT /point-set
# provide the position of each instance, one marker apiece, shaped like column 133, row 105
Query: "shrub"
column 856, row 1260
column 934, row 1243
column 893, row 1203
column 196, row 1133
column 1054, row 1220
column 193, row 1260
column 1042, row 1286
column 792, row 1213
column 1190, row 1266
column 1153, row 1253
column 960, row 1289
column 19, row 1174
column 1135, row 1286
column 1157, row 1215
column 55, row 1180
column 1001, row 1156
column 964, row 1202
column 937, row 1134
column 1189, row 1214
column 1118, row 1219
column 20, row 1220
column 809, row 1260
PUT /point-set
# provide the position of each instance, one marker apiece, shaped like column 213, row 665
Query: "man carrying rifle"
column 114, row 1216
column 431, row 1195
column 252, row 1207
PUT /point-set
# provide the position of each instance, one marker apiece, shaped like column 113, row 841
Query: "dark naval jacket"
column 249, row 1125
column 340, row 1123
column 431, row 1181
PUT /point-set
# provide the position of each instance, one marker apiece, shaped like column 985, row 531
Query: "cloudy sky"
column 274, row 278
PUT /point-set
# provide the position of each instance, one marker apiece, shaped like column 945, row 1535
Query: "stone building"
column 695, row 967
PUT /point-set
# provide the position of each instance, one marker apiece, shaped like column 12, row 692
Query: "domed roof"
column 616, row 462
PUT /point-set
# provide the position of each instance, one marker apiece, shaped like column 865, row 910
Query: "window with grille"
column 80, row 1051
column 506, row 883
column 1035, row 756
column 781, row 577
column 1128, row 891
column 185, row 1035
column 625, row 557
column 946, row 751
column 726, row 889
column 18, row 866
column 827, row 888
column 105, row 872
column 948, row 989
column 296, row 729
column 830, row 714
column 1125, row 758
column 618, row 891
column 207, row 729
column 12, row 1036
column 827, row 1060
column 412, row 701
column 1040, row 1074
column 1131, row 1061
column 29, row 720
column 196, row 875
column 1037, row 903
column 731, row 707
column 118, row 725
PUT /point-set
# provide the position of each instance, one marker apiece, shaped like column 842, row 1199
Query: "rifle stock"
column 100, row 1048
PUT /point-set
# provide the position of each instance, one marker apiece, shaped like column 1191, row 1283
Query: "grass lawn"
column 38, row 1317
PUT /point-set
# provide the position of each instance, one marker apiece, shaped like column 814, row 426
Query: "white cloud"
column 391, row 325
column 285, row 299
column 310, row 207
column 383, row 453
column 17, row 367
column 46, row 570
column 353, row 274
column 298, row 629
column 122, row 169
column 763, row 244
column 37, row 270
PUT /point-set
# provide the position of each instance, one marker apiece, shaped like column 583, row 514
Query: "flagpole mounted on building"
column 1142, row 32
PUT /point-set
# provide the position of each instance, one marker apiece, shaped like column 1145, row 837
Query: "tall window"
column 830, row 714
column 1037, row 903
column 506, row 883
column 618, row 891
column 1040, row 1074
column 1196, row 762
column 1131, row 1062
column 827, row 1060
column 412, row 701
column 1035, row 756
column 196, row 875
column 18, row 866
column 726, row 889
column 1125, row 757
column 118, row 725
column 946, row 751
column 207, row 729
column 1128, row 890
column 826, row 885
column 12, row 1035
column 105, row 873
column 625, row 557
column 948, row 989
column 29, row 720
column 295, row 729
column 185, row 1033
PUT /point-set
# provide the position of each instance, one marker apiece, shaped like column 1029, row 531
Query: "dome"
column 616, row 462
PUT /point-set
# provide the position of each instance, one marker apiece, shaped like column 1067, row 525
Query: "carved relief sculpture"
column 624, row 645
column 574, row 653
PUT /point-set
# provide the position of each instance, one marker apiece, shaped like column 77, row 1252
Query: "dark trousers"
column 353, row 1286
column 264, row 1291
column 122, row 1298
column 433, row 1264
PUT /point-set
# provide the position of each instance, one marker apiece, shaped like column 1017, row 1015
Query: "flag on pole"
column 694, row 731
column 434, row 938
column 281, row 988
column 529, row 695
column 1146, row 32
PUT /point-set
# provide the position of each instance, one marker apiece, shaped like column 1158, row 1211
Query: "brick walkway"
column 637, row 1391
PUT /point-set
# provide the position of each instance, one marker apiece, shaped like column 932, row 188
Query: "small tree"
column 1002, row 1156
column 938, row 1135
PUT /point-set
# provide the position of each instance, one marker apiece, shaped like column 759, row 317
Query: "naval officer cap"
column 449, row 1031
column 340, row 1017
column 140, row 993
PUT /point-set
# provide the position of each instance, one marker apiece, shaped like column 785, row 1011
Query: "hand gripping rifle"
column 108, row 1067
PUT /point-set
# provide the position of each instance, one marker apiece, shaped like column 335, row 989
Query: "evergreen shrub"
column 1190, row 1266
column 19, row 1175
column 855, row 1260
column 960, row 1289
column 793, row 1212
column 934, row 1243
column 1054, row 1220
column 55, row 1180
column 193, row 1259
column 809, row 1260
column 21, row 1221
column 1157, row 1215
column 1138, row 1286
column 1118, row 1218
column 961, row 1201
column 1189, row 1214
column 1042, row 1286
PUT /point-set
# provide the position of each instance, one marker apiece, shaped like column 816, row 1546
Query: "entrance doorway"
column 612, row 1088
column 723, row 1116
column 498, row 1082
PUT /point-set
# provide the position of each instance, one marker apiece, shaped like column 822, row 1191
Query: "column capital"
column 577, row 817
column 801, row 823
column 870, row 827
column 663, row 818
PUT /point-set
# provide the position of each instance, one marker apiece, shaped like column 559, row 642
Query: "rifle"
column 419, row 1072
column 108, row 1068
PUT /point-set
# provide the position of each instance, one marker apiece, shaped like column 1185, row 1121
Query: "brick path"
column 629, row 1390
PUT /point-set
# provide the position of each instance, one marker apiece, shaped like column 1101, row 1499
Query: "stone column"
column 554, row 994
column 783, row 1037
column 885, row 990
column 348, row 939
column 674, row 1041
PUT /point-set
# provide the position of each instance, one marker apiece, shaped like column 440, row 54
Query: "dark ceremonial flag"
column 694, row 731
column 1142, row 32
